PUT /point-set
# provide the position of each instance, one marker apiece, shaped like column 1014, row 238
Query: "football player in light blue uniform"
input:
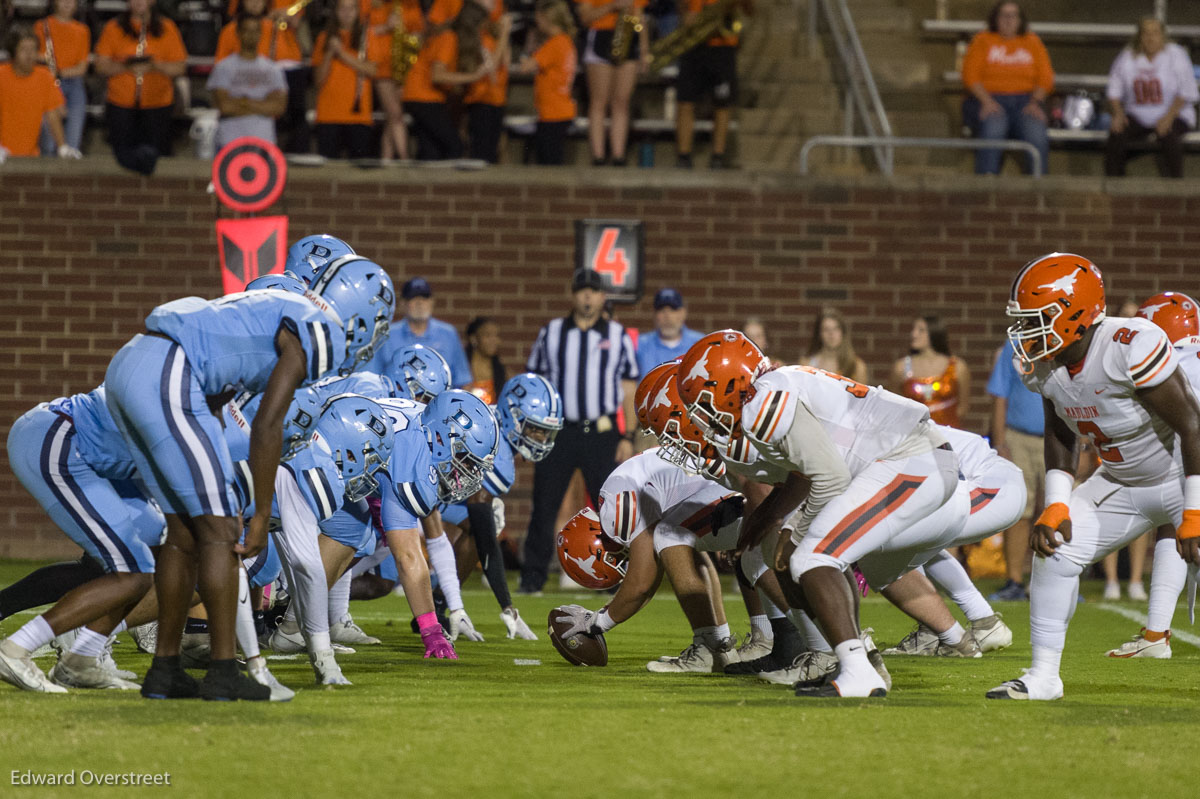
column 529, row 412
column 308, row 256
column 420, row 373
column 70, row 456
column 161, row 387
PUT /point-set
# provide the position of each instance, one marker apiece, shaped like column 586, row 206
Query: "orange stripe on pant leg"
column 870, row 513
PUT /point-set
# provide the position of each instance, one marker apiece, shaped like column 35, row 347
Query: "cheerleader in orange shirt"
column 141, row 53
column 344, row 63
column 64, row 43
column 610, row 85
column 553, row 65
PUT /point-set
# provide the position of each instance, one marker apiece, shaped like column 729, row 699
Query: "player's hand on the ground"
column 256, row 538
column 582, row 621
column 461, row 625
column 516, row 626
column 1051, row 530
column 437, row 646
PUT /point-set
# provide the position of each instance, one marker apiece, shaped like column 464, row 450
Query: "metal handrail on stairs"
column 1035, row 157
column 862, row 101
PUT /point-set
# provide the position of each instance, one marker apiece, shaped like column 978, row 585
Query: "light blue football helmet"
column 302, row 416
column 463, row 436
column 308, row 256
column 420, row 372
column 281, row 282
column 361, row 294
column 530, row 413
column 358, row 434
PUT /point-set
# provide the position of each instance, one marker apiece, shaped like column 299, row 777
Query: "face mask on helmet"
column 715, row 380
column 587, row 556
column 358, row 433
column 361, row 294
column 462, row 435
column 530, row 415
column 1054, row 300
column 420, row 371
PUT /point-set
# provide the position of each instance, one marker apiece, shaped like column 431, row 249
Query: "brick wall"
column 88, row 251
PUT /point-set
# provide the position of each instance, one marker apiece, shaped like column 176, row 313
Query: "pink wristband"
column 427, row 622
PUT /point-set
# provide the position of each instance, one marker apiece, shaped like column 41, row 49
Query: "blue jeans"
column 76, row 96
column 1012, row 124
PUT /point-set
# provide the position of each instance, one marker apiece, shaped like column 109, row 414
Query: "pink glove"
column 434, row 638
column 862, row 582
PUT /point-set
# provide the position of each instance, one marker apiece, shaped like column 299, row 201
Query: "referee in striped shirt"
column 590, row 360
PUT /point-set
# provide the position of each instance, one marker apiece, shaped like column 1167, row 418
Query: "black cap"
column 668, row 298
column 587, row 279
column 416, row 287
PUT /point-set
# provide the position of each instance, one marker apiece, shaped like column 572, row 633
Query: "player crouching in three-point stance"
column 1115, row 381
column 864, row 467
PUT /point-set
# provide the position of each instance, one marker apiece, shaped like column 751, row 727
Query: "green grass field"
column 484, row 726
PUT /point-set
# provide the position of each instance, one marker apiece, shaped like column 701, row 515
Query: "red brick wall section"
column 88, row 255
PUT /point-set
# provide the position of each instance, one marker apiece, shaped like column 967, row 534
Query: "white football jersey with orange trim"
column 865, row 423
column 1189, row 364
column 1100, row 402
column 974, row 452
column 645, row 491
column 742, row 458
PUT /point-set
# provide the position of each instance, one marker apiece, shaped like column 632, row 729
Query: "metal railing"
column 927, row 143
column 862, row 103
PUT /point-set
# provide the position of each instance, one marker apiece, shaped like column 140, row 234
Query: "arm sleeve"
column 218, row 78
column 460, row 369
column 809, row 447
column 278, row 79
column 295, row 515
column 1151, row 358
column 548, row 55
column 108, row 40
column 175, row 51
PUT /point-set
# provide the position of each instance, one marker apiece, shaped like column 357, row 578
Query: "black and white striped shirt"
column 586, row 366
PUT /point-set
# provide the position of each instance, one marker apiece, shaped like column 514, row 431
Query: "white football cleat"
column 257, row 667
column 106, row 662
column 696, row 658
column 921, row 641
column 991, row 633
column 810, row 665
column 1139, row 647
column 326, row 667
column 875, row 658
column 17, row 668
column 145, row 636
column 345, row 631
column 80, row 671
column 286, row 642
column 1029, row 687
column 755, row 645
column 516, row 626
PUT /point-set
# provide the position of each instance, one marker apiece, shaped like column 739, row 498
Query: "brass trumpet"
column 627, row 27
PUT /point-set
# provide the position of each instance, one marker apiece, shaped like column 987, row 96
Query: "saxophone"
column 627, row 27
column 406, row 47
column 51, row 64
column 292, row 10
column 359, row 80
column 139, row 53
column 717, row 18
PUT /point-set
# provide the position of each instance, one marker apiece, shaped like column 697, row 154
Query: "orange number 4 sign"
column 610, row 259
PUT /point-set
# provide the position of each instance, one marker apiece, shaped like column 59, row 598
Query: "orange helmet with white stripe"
column 715, row 379
column 584, row 556
column 645, row 391
column 1054, row 300
column 1176, row 314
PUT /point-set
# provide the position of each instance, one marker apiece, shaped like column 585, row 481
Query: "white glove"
column 582, row 620
column 67, row 151
column 517, row 628
column 460, row 624
column 3, row 154
column 498, row 514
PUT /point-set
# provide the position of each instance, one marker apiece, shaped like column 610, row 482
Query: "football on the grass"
column 580, row 649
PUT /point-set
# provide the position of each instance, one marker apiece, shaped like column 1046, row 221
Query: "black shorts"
column 708, row 70
column 598, row 48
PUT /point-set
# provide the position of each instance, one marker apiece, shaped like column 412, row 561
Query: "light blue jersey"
column 318, row 478
column 368, row 384
column 97, row 437
column 409, row 490
column 230, row 342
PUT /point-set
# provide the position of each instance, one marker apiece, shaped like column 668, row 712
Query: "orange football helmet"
column 715, row 380
column 680, row 440
column 1054, row 299
column 645, row 391
column 1175, row 313
column 584, row 556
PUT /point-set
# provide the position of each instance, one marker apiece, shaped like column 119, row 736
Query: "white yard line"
column 1140, row 618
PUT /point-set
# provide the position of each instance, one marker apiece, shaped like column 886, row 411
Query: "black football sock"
column 47, row 585
column 483, row 529
column 788, row 641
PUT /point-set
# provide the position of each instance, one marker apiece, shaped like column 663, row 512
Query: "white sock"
column 89, row 643
column 1167, row 578
column 120, row 628
column 319, row 642
column 339, row 599
column 950, row 576
column 723, row 632
column 763, row 625
column 33, row 635
column 441, row 557
column 853, row 667
column 813, row 637
column 1053, row 592
column 247, row 635
column 952, row 636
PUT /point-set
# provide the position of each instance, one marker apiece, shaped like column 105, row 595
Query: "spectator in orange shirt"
column 344, row 64
column 64, row 43
column 141, row 53
column 437, row 70
column 279, row 43
column 610, row 85
column 553, row 65
column 1007, row 75
column 28, row 97
column 385, row 21
column 485, row 98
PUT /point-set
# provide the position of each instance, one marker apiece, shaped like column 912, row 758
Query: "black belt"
column 588, row 425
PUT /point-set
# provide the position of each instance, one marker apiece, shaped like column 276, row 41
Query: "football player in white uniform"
column 1114, row 381
column 864, row 466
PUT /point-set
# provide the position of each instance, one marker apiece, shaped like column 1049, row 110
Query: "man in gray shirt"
column 248, row 89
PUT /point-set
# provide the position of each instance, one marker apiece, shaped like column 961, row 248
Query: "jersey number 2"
column 1101, row 441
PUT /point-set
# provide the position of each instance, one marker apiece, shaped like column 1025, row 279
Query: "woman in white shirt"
column 1152, row 91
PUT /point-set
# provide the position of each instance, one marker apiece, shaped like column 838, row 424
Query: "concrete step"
column 920, row 123
column 797, row 96
column 788, row 122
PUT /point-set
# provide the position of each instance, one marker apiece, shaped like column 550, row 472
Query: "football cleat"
column 1012, row 591
column 286, row 642
column 257, row 668
column 921, row 641
column 17, row 668
column 875, row 658
column 516, row 626
column 145, row 636
column 79, row 671
column 1139, row 647
column 326, row 667
column 166, row 681
column 754, row 646
column 225, row 683
column 806, row 667
column 991, row 633
column 772, row 661
column 828, row 688
column 346, row 631
column 696, row 658
column 968, row 647
column 1028, row 688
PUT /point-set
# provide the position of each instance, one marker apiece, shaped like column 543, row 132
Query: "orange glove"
column 1190, row 527
column 1056, row 514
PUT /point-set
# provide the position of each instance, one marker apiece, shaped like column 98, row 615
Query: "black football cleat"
column 166, row 679
column 826, row 689
column 225, row 683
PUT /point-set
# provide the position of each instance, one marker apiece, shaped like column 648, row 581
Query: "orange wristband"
column 1054, row 515
column 1190, row 528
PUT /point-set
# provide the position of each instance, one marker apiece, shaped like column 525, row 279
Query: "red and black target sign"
column 249, row 174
